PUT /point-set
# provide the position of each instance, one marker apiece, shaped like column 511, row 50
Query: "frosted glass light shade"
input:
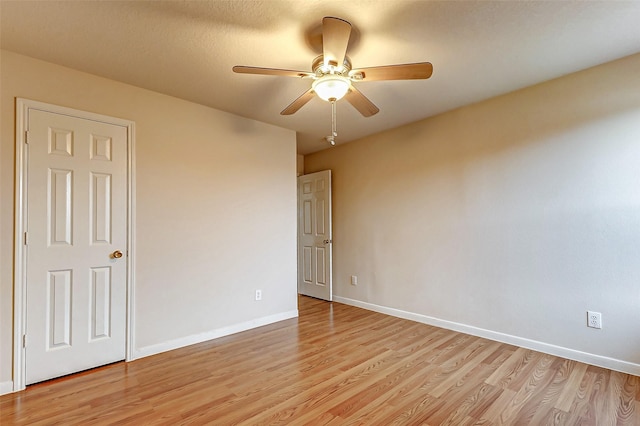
column 331, row 87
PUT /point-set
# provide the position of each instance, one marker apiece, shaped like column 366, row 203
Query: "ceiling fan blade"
column 421, row 70
column 271, row 71
column 335, row 39
column 299, row 103
column 361, row 102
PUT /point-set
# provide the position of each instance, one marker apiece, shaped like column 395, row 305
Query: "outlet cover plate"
column 594, row 319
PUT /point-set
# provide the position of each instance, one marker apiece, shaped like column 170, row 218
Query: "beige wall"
column 300, row 165
column 509, row 218
column 216, row 207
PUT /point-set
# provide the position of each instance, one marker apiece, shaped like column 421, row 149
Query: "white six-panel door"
column 76, row 232
column 314, row 235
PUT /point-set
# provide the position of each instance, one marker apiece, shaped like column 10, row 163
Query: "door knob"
column 326, row 241
column 116, row 254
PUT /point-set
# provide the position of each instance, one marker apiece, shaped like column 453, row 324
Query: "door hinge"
column 26, row 137
column 26, row 238
column 24, row 340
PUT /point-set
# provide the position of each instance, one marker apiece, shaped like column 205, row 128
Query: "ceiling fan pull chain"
column 332, row 138
column 334, row 124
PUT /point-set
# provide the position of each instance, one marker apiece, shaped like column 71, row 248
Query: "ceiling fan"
column 333, row 74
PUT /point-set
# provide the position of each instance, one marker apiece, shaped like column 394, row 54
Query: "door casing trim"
column 20, row 259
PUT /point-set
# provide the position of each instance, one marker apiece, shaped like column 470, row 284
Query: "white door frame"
column 20, row 260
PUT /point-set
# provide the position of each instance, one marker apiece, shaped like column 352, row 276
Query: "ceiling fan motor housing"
column 319, row 68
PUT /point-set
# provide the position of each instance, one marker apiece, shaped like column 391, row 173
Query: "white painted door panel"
column 314, row 235
column 76, row 220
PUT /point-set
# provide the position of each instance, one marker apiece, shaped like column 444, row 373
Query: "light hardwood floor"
column 336, row 365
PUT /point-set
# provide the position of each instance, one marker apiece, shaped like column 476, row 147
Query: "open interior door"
column 314, row 235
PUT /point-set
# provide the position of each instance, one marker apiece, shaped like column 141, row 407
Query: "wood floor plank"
column 581, row 410
column 542, row 405
column 500, row 408
column 461, row 402
column 541, row 376
column 463, row 366
column 511, row 368
column 384, row 389
column 623, row 397
column 565, row 399
column 336, row 365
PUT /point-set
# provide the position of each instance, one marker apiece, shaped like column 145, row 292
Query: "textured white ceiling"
column 479, row 49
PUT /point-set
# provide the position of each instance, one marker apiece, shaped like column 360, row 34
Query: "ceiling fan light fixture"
column 331, row 87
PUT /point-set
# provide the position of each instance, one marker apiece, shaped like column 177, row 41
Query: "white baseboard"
column 212, row 334
column 6, row 387
column 597, row 360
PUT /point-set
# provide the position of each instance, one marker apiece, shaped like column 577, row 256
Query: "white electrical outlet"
column 258, row 294
column 594, row 319
column 354, row 280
